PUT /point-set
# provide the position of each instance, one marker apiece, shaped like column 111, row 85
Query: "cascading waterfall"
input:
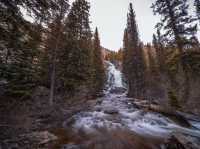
column 114, row 77
column 127, row 114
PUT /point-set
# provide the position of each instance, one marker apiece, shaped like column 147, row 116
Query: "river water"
column 114, row 110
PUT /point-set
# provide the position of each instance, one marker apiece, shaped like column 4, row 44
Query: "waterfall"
column 114, row 77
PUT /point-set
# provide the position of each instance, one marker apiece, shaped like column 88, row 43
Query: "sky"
column 110, row 16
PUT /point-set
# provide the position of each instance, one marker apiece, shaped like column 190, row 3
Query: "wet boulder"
column 98, row 108
column 71, row 146
column 111, row 110
column 118, row 90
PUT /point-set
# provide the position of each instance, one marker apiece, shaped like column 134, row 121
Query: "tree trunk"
column 53, row 76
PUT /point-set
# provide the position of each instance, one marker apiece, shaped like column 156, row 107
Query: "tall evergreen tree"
column 22, row 40
column 56, row 32
column 151, row 60
column 180, row 29
column 125, row 54
column 133, row 57
column 78, row 52
column 159, row 47
column 175, row 21
column 99, row 72
column 19, row 48
column 155, row 42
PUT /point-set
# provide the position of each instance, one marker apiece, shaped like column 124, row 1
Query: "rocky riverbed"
column 119, row 118
column 112, row 121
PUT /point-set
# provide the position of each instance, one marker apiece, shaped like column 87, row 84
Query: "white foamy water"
column 116, row 111
column 114, row 76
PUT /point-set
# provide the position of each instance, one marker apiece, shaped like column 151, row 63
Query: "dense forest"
column 167, row 69
column 57, row 51
column 53, row 68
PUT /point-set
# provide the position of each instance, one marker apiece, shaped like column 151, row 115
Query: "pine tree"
column 19, row 46
column 175, row 21
column 155, row 42
column 179, row 29
column 159, row 47
column 125, row 54
column 99, row 72
column 22, row 41
column 77, row 59
column 54, row 42
column 151, row 60
column 133, row 58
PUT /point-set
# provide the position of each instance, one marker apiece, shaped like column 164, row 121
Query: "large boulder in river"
column 110, row 110
column 118, row 90
column 71, row 146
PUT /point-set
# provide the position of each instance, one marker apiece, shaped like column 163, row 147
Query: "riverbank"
column 29, row 125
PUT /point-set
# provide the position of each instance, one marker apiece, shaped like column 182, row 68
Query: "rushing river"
column 115, row 110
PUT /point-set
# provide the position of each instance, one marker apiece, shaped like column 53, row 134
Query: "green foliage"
column 98, row 65
column 158, row 43
column 172, row 61
column 76, row 57
column 175, row 21
column 173, row 100
column 191, row 61
column 19, row 43
column 133, row 60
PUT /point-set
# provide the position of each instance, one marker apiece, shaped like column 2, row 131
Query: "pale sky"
column 110, row 16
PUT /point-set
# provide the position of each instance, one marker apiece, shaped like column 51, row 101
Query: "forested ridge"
column 61, row 89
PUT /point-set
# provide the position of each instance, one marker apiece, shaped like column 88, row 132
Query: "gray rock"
column 99, row 101
column 98, row 108
column 118, row 90
column 69, row 122
column 173, row 143
column 189, row 142
column 71, row 146
column 110, row 110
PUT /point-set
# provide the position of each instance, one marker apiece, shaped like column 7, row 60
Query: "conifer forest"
column 61, row 87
